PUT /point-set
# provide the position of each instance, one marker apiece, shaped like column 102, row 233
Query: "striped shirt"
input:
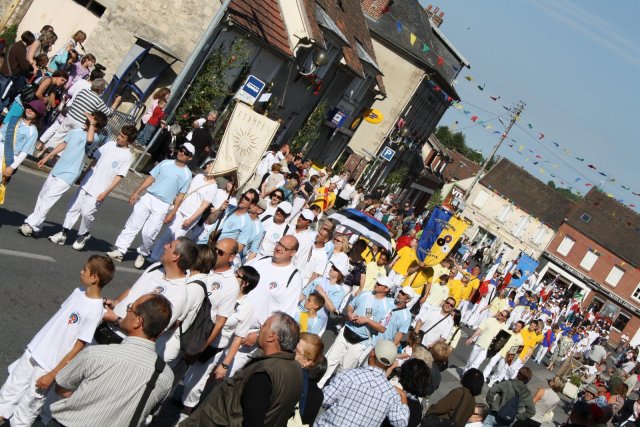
column 108, row 382
column 87, row 101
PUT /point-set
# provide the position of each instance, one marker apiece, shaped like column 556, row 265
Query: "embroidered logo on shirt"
column 273, row 285
column 73, row 318
column 159, row 289
column 114, row 165
column 215, row 286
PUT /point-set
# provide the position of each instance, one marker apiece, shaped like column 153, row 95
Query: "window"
column 540, row 235
column 357, row 89
column 585, row 217
column 636, row 294
column 614, row 276
column 621, row 321
column 504, row 214
column 565, row 246
column 481, row 199
column 521, row 226
column 589, row 259
column 92, row 6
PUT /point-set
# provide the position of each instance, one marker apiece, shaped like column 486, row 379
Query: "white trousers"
column 492, row 362
column 195, row 380
column 82, row 205
column 500, row 373
column 466, row 309
column 146, row 219
column 20, row 400
column 477, row 356
column 341, row 356
column 51, row 191
column 51, row 130
column 513, row 369
column 170, row 233
column 298, row 204
column 542, row 351
column 67, row 125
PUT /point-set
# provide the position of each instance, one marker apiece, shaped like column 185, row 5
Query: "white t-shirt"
column 154, row 281
column 431, row 316
column 306, row 239
column 272, row 234
column 347, row 192
column 223, row 289
column 237, row 324
column 112, row 161
column 199, row 190
column 76, row 319
column 275, row 292
column 269, row 212
column 316, row 264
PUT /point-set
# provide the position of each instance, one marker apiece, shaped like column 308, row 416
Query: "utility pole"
column 515, row 115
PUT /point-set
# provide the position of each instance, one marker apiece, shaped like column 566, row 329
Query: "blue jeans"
column 146, row 134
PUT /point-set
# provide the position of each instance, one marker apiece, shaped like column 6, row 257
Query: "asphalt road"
column 37, row 275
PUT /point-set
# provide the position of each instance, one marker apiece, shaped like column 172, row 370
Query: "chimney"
column 436, row 16
column 375, row 8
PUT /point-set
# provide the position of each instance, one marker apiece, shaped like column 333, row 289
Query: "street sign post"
column 387, row 154
column 250, row 90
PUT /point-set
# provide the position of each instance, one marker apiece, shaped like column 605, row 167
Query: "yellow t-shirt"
column 367, row 255
column 455, row 290
column 406, row 257
column 372, row 272
column 514, row 341
column 490, row 328
column 467, row 291
column 530, row 340
column 497, row 305
column 327, row 198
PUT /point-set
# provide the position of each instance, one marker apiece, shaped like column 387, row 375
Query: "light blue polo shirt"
column 368, row 305
column 399, row 322
column 335, row 292
column 237, row 227
column 69, row 165
column 25, row 140
column 255, row 238
column 170, row 179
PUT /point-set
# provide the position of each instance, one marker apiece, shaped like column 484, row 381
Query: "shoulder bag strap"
column 159, row 367
column 291, row 277
column 439, row 321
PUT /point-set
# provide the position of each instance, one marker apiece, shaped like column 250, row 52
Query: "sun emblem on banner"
column 244, row 142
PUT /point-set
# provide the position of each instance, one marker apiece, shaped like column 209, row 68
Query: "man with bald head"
column 278, row 290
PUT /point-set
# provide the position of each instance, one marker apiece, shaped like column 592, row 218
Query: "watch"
column 224, row 366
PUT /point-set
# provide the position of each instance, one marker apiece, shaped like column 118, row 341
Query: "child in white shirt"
column 55, row 345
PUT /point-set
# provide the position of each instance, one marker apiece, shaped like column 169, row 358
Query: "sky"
column 576, row 65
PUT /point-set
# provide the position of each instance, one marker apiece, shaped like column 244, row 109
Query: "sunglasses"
column 278, row 196
column 247, row 198
column 185, row 152
column 220, row 252
column 449, row 303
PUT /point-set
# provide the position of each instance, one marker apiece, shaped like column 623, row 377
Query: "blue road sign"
column 250, row 91
column 387, row 154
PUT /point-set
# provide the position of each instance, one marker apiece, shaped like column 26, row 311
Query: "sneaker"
column 81, row 241
column 139, row 262
column 59, row 238
column 115, row 255
column 26, row 230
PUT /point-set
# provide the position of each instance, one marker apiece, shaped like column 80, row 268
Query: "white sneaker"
column 81, row 241
column 26, row 230
column 139, row 262
column 115, row 255
column 59, row 238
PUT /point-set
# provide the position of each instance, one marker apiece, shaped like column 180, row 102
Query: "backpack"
column 507, row 413
column 192, row 340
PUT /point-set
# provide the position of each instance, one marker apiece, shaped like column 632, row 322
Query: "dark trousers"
column 54, row 423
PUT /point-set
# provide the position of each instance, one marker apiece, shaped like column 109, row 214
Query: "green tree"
column 9, row 35
column 435, row 199
column 310, row 131
column 395, row 178
column 211, row 86
column 565, row 192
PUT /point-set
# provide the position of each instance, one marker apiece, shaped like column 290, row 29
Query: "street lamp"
column 319, row 59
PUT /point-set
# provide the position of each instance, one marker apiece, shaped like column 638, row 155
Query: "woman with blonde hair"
column 309, row 354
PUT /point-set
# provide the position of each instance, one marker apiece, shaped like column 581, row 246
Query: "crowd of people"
column 239, row 285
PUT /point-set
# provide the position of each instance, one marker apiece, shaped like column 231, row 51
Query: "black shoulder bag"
column 160, row 364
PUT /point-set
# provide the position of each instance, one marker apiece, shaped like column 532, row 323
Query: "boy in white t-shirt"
column 55, row 345
column 110, row 165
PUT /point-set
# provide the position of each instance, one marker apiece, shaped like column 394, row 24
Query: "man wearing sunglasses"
column 482, row 337
column 435, row 323
column 165, row 187
column 274, row 228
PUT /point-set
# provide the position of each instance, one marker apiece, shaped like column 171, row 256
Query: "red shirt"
column 403, row 241
column 156, row 117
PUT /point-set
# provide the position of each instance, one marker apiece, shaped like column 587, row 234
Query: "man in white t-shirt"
column 305, row 237
column 274, row 228
column 110, row 165
column 315, row 266
column 278, row 290
column 168, row 278
column 345, row 195
column 435, row 323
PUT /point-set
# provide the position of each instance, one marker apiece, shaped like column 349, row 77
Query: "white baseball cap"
column 285, row 207
column 408, row 290
column 384, row 281
column 307, row 214
column 386, row 352
column 189, row 147
column 342, row 265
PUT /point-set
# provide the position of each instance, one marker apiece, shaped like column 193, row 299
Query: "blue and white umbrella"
column 364, row 225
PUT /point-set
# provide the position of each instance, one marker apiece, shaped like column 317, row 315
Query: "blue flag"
column 525, row 267
column 438, row 218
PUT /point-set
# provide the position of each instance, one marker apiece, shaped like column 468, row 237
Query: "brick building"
column 596, row 252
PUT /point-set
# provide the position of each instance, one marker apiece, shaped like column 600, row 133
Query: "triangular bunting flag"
column 425, row 48
column 398, row 26
column 412, row 37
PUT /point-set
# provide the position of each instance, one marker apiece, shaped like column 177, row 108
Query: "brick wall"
column 374, row 8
